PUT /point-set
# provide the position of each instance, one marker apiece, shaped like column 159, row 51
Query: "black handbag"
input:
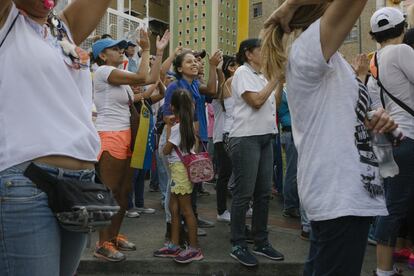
column 79, row 206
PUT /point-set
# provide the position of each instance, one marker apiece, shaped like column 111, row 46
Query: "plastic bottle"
column 382, row 146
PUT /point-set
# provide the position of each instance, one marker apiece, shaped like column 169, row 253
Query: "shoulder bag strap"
column 178, row 151
column 9, row 30
column 382, row 89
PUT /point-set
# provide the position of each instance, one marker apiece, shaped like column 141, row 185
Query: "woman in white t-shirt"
column 45, row 118
column 338, row 179
column 395, row 70
column 112, row 98
column 224, row 168
column 251, row 134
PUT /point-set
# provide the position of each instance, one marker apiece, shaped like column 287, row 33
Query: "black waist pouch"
column 79, row 206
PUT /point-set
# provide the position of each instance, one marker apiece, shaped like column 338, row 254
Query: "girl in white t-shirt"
column 112, row 98
column 181, row 138
column 337, row 176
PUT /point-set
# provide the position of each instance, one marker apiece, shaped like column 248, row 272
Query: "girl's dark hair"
column 388, row 34
column 246, row 45
column 178, row 62
column 409, row 38
column 227, row 60
column 182, row 104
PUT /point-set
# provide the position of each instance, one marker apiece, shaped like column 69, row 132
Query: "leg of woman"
column 184, row 202
column 175, row 219
column 224, row 172
column 245, row 156
column 112, row 172
column 72, row 246
column 30, row 234
column 262, row 192
column 397, row 191
column 139, row 188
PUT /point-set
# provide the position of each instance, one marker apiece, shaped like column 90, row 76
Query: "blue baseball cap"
column 106, row 43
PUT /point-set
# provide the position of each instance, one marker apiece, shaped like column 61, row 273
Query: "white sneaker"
column 132, row 214
column 249, row 213
column 225, row 217
column 145, row 210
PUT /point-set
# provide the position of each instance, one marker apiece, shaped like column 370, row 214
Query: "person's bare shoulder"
column 5, row 7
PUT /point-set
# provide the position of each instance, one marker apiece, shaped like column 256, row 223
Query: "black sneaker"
column 243, row 255
column 269, row 252
column 201, row 223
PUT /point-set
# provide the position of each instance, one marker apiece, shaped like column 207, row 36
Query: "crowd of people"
column 290, row 90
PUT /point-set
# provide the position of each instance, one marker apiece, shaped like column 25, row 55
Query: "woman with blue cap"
column 113, row 96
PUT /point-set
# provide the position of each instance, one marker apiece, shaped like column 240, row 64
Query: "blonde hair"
column 275, row 42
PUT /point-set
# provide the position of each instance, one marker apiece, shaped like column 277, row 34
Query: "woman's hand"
column 163, row 42
column 361, row 65
column 282, row 16
column 216, row 58
column 381, row 122
column 178, row 50
column 144, row 41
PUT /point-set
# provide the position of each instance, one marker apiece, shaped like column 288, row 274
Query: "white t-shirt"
column 248, row 121
column 112, row 102
column 218, row 121
column 228, row 115
column 45, row 106
column 337, row 169
column 396, row 69
column 175, row 139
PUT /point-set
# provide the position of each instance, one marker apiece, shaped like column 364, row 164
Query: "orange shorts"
column 117, row 143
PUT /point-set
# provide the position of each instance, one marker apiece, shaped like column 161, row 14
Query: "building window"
column 187, row 42
column 195, row 40
column 203, row 39
column 195, row 29
column 180, row 33
column 180, row 8
column 353, row 36
column 188, row 18
column 187, row 31
column 188, row 6
column 257, row 9
column 204, row 14
column 221, row 27
column 195, row 4
column 203, row 27
column 195, row 16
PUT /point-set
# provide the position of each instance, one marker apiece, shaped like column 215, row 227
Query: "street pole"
column 360, row 34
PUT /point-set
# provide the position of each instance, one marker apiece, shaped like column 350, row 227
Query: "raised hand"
column 143, row 41
column 282, row 16
column 163, row 42
column 216, row 58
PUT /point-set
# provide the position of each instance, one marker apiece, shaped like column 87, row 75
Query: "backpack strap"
column 382, row 89
column 9, row 30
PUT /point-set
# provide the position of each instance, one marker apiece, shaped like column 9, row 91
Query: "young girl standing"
column 181, row 137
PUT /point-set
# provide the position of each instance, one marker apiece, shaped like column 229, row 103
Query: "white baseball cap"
column 385, row 19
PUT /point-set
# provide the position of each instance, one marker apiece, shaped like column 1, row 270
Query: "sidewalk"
column 147, row 232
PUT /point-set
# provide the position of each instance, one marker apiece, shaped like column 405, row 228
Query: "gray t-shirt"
column 396, row 69
column 337, row 169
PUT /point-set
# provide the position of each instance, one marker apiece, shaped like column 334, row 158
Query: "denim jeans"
column 164, row 161
column 277, row 164
column 290, row 184
column 337, row 246
column 399, row 194
column 32, row 242
column 224, row 170
column 138, row 185
column 252, row 159
column 162, row 177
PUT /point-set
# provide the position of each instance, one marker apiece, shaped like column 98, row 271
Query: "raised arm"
column 156, row 66
column 82, row 17
column 122, row 77
column 211, row 88
column 5, row 6
column 166, row 65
